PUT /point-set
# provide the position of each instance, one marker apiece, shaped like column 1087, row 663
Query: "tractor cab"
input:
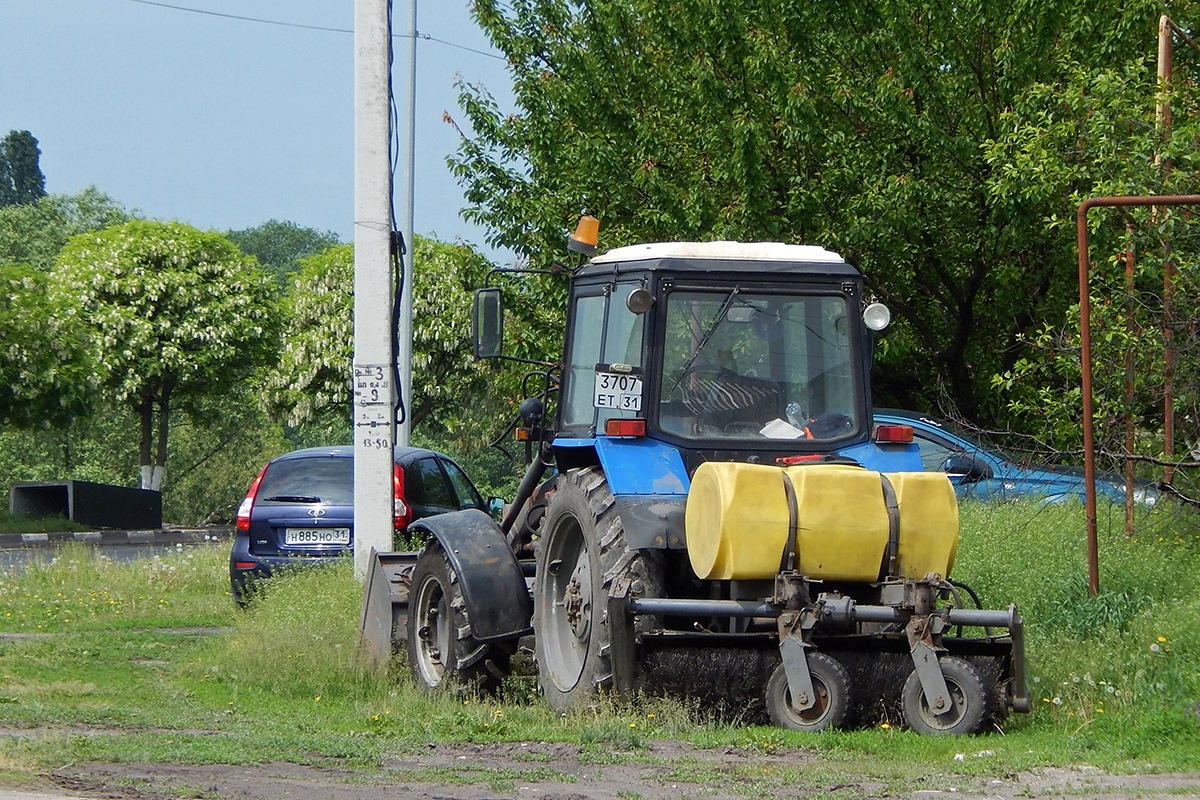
column 719, row 351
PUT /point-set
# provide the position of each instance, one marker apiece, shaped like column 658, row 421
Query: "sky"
column 181, row 111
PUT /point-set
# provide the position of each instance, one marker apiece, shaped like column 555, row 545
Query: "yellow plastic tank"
column 737, row 522
column 928, row 523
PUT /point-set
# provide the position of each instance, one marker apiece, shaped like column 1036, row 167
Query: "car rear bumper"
column 245, row 567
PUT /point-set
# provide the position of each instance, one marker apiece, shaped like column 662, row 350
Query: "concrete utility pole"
column 374, row 362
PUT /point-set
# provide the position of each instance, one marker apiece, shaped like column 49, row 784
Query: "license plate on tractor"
column 316, row 536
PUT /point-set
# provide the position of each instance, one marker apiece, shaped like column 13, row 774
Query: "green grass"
column 157, row 652
column 23, row 523
column 1114, row 672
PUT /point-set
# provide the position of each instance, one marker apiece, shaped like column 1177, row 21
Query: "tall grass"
column 77, row 587
column 299, row 640
column 24, row 523
column 1122, row 662
column 1114, row 676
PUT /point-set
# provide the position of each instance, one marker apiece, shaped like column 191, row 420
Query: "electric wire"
column 396, row 245
column 425, row 36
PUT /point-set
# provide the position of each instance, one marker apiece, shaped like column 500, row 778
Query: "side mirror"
column 496, row 506
column 487, row 323
column 971, row 467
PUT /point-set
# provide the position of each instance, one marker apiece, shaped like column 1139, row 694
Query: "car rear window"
column 329, row 479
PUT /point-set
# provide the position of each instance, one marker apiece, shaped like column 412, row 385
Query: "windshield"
column 750, row 364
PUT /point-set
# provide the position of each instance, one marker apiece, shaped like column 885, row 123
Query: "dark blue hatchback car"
column 300, row 508
column 981, row 470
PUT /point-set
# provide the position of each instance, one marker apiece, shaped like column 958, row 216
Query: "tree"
column 279, row 246
column 34, row 233
column 44, row 374
column 1096, row 134
column 172, row 316
column 859, row 127
column 21, row 178
column 454, row 396
column 310, row 385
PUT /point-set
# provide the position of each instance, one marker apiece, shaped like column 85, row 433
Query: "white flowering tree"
column 173, row 317
column 453, row 394
column 44, row 376
column 310, row 384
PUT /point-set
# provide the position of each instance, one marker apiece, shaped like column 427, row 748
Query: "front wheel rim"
column 433, row 630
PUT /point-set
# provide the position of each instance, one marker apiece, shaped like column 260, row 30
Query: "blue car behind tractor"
column 983, row 471
column 300, row 509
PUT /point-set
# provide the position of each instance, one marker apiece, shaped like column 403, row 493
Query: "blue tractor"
column 707, row 510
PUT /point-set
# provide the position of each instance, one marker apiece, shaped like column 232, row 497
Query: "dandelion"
column 633, row 724
column 886, row 727
column 1154, row 648
column 1162, row 640
column 1057, row 701
column 317, row 698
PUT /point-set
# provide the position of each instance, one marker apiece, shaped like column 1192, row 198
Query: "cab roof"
column 722, row 257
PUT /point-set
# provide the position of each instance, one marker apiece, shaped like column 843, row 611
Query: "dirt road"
column 667, row 770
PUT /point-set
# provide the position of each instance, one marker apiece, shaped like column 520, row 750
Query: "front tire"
column 442, row 649
column 971, row 702
column 582, row 553
column 831, row 682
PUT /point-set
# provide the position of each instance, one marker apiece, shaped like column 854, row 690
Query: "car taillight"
column 399, row 508
column 243, row 513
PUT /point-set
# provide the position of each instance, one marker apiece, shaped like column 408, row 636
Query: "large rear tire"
column 581, row 554
column 442, row 649
column 971, row 702
column 831, row 682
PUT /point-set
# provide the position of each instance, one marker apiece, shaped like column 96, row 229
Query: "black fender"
column 493, row 586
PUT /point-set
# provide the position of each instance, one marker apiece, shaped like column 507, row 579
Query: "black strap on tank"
column 888, row 568
column 788, row 564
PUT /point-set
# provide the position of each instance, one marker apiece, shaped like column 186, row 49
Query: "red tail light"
column 399, row 508
column 894, row 434
column 243, row 512
column 625, row 427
